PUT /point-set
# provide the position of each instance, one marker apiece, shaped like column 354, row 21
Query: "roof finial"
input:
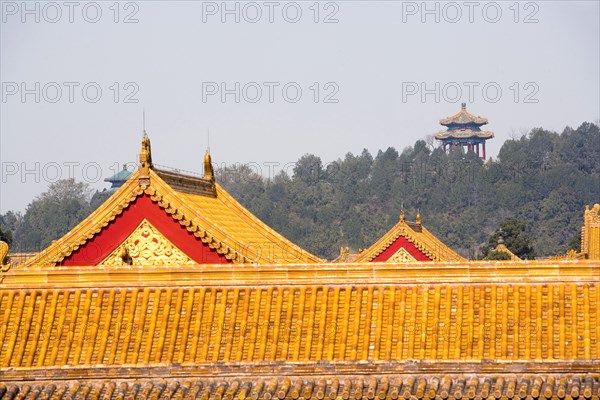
column 418, row 219
column 145, row 157
column 463, row 106
column 402, row 214
column 209, row 173
column 500, row 236
column 144, row 120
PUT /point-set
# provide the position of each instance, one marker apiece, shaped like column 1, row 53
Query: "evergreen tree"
column 52, row 214
column 5, row 236
column 515, row 239
column 497, row 255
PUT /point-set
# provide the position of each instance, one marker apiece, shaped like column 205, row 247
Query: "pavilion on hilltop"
column 464, row 129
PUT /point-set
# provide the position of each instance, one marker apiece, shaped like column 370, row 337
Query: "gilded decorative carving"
column 590, row 233
column 145, row 154
column 401, row 256
column 593, row 214
column 147, row 246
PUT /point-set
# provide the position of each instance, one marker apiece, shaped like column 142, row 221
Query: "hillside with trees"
column 543, row 180
column 535, row 191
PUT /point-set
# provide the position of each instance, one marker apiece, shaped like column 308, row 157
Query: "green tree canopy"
column 515, row 239
column 52, row 214
column 543, row 179
column 5, row 236
column 497, row 255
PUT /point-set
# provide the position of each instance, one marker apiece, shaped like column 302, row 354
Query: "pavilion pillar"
column 477, row 147
column 484, row 150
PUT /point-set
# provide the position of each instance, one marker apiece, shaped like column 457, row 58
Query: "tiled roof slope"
column 413, row 387
column 526, row 316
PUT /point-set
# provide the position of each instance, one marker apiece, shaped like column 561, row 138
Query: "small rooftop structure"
column 118, row 179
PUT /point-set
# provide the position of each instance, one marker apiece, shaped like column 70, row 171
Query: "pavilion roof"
column 463, row 117
column 120, row 176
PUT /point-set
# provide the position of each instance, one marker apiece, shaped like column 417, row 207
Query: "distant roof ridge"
column 180, row 171
column 418, row 235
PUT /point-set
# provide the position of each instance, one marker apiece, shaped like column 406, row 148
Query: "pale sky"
column 371, row 74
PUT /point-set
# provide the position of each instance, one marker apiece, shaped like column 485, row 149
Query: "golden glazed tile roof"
column 77, row 322
column 217, row 218
column 418, row 235
column 415, row 387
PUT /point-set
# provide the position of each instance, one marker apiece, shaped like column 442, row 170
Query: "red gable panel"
column 106, row 241
column 397, row 245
